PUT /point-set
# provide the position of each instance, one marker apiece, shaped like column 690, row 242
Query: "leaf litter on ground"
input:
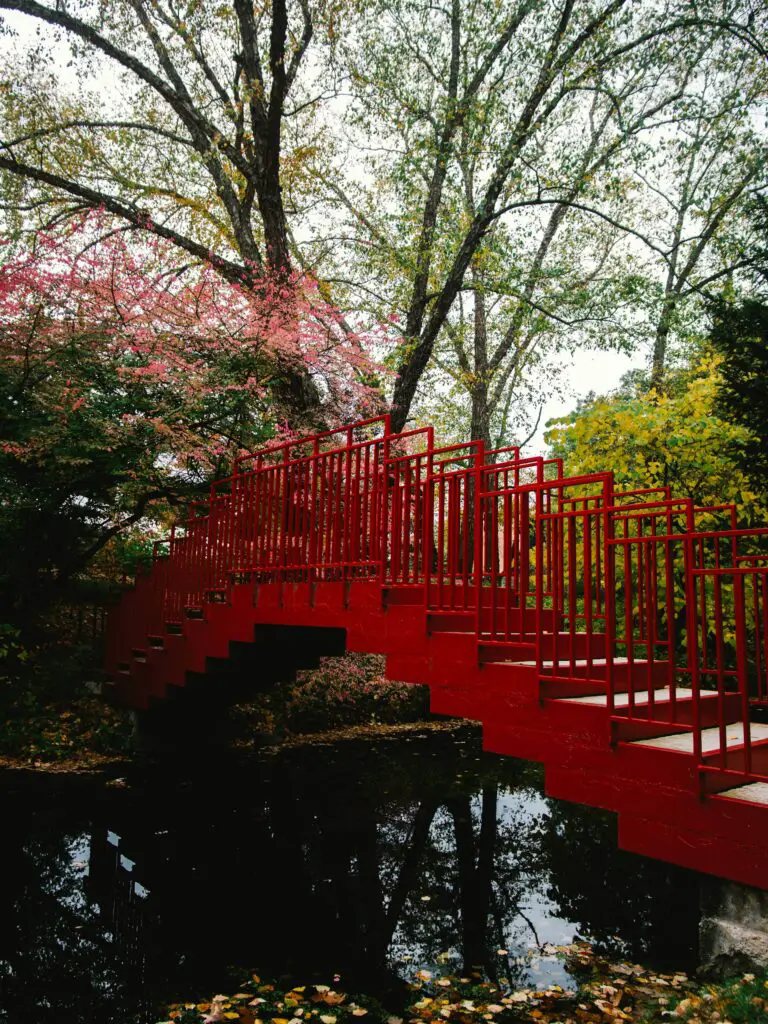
column 604, row 992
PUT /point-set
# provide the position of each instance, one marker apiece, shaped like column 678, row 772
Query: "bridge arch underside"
column 619, row 637
column 265, row 632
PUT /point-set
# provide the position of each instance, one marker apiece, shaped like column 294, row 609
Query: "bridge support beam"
column 733, row 930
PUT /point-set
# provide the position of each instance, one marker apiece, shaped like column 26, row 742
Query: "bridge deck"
column 620, row 639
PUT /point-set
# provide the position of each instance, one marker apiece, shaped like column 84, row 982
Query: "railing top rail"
column 651, row 509
column 303, row 460
column 731, row 570
column 637, row 492
column 314, row 439
column 543, row 485
column 751, row 531
column 531, row 460
column 503, row 451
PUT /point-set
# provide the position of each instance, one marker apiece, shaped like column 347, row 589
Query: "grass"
column 741, row 1000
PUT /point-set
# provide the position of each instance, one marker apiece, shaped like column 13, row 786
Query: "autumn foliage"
column 125, row 386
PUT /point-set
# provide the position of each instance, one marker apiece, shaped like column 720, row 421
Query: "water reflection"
column 364, row 861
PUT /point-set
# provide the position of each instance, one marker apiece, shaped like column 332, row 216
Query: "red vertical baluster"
column 741, row 666
column 669, row 605
column 720, row 657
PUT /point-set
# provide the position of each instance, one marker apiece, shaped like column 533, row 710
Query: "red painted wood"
column 510, row 590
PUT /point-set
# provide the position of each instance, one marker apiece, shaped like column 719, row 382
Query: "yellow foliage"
column 652, row 440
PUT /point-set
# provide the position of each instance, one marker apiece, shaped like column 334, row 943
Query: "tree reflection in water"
column 368, row 861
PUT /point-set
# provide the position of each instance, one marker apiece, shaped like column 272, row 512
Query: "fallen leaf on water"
column 329, row 997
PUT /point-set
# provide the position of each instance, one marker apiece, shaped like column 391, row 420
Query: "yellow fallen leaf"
column 333, row 998
column 230, row 1015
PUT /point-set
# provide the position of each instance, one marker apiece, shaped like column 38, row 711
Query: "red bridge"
column 620, row 637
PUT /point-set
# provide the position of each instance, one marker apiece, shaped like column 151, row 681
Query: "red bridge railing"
column 569, row 575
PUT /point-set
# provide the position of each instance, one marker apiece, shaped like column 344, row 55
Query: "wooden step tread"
column 530, row 638
column 621, row 699
column 710, row 738
column 584, row 663
column 753, row 793
column 469, row 612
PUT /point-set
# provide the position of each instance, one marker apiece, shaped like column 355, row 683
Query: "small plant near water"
column 344, row 691
column 742, row 1000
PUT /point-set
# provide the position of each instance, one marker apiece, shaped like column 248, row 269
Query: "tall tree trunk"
column 661, row 340
column 481, row 413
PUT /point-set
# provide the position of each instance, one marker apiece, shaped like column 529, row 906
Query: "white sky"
column 590, row 371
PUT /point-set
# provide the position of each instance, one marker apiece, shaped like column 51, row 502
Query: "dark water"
column 367, row 861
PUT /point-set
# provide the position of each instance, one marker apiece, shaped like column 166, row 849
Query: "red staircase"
column 621, row 637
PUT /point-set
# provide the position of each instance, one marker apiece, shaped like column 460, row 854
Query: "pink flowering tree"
column 125, row 387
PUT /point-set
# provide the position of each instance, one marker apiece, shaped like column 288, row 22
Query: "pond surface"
column 364, row 860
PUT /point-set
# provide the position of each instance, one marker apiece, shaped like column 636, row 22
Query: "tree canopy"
column 125, row 389
column 511, row 180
